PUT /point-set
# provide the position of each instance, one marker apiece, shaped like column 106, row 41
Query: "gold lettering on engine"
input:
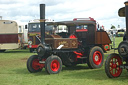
column 65, row 43
column 74, row 43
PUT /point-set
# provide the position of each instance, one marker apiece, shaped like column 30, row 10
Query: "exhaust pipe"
column 42, row 23
column 42, row 48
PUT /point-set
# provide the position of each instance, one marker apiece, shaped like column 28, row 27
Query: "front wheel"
column 112, row 65
column 33, row 64
column 53, row 65
column 95, row 58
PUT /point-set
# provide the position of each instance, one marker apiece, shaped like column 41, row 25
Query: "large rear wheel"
column 53, row 65
column 33, row 64
column 95, row 58
column 112, row 65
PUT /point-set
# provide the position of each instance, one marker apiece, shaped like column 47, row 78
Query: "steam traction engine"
column 82, row 43
column 115, row 62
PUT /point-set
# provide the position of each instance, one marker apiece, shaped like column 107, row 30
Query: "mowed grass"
column 13, row 71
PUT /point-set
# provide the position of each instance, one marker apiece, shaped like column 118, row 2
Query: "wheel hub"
column 55, row 65
column 114, row 65
column 96, row 58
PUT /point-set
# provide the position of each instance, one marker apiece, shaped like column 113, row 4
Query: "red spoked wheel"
column 53, row 65
column 112, row 65
column 33, row 64
column 97, row 57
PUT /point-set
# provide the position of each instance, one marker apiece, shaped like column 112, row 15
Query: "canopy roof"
column 77, row 22
column 72, row 23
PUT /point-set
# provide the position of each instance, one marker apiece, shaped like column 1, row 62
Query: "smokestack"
column 126, row 15
column 42, row 22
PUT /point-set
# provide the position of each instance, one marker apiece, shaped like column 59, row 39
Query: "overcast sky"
column 103, row 11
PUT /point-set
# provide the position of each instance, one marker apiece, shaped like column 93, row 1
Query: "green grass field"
column 13, row 71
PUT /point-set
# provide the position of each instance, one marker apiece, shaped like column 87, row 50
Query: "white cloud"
column 104, row 11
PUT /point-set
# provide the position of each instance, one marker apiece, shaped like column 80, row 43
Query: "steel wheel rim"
column 97, row 57
column 114, row 67
column 55, row 65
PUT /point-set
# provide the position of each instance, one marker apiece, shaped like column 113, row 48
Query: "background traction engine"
column 115, row 63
